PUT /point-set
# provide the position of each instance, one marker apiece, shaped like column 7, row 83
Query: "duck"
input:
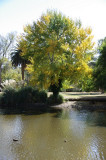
column 15, row 139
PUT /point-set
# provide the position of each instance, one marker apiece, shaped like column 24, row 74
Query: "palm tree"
column 17, row 60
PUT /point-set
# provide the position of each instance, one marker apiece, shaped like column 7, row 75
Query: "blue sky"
column 15, row 14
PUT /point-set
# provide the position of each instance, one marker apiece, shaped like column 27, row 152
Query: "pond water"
column 65, row 135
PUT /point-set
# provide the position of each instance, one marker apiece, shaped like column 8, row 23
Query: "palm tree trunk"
column 0, row 74
column 22, row 70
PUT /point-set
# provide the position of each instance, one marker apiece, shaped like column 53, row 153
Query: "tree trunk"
column 22, row 70
column 56, row 88
column 0, row 74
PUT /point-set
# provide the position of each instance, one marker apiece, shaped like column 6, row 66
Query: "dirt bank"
column 86, row 102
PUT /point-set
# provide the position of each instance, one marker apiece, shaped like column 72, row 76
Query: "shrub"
column 55, row 100
column 9, row 97
column 31, row 95
column 25, row 95
column 0, row 98
column 42, row 96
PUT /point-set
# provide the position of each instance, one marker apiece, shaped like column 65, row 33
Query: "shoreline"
column 92, row 103
column 79, row 103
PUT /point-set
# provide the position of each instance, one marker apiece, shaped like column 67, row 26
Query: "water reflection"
column 10, row 128
column 85, row 127
column 64, row 135
column 97, row 118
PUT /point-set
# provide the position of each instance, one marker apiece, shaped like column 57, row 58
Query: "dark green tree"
column 100, row 68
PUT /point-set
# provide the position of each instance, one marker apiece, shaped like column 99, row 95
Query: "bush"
column 31, row 95
column 25, row 95
column 55, row 100
column 9, row 97
column 0, row 98
column 42, row 96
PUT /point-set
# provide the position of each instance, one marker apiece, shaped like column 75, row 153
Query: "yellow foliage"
column 47, row 18
column 61, row 50
column 27, row 29
column 88, row 30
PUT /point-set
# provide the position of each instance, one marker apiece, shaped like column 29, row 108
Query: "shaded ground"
column 83, row 100
column 75, row 96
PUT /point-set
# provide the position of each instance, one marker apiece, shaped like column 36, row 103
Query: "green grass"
column 67, row 95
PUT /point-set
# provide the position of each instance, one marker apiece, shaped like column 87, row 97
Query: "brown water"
column 66, row 135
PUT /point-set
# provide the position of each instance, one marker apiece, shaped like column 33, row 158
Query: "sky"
column 15, row 14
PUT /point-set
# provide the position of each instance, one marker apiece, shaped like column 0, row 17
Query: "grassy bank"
column 29, row 98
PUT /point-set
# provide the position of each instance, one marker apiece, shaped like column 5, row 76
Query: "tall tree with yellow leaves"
column 59, row 49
